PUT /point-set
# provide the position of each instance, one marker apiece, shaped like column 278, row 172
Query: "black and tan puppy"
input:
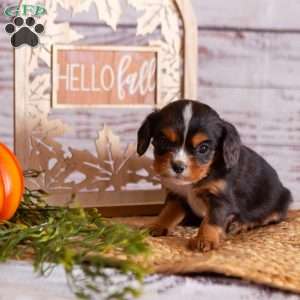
column 206, row 169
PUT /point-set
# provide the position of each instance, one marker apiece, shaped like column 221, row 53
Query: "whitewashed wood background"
column 249, row 71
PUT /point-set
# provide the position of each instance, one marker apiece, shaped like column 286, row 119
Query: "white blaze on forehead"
column 187, row 114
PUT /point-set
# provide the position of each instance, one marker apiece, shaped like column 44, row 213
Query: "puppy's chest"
column 195, row 202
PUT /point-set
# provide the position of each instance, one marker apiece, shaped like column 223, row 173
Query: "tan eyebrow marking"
column 199, row 138
column 170, row 134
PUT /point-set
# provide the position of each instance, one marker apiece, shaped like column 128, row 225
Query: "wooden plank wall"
column 249, row 68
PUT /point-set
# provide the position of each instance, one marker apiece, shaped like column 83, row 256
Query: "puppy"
column 206, row 169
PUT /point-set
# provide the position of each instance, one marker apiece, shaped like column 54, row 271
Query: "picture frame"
column 37, row 136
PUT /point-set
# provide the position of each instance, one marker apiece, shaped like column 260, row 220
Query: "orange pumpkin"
column 11, row 183
column 2, row 195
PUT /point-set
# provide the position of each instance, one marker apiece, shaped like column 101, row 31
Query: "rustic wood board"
column 226, row 58
column 254, row 14
column 248, row 73
column 248, row 59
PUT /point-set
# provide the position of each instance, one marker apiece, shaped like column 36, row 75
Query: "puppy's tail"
column 284, row 202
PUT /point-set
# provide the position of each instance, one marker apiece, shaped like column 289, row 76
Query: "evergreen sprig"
column 80, row 240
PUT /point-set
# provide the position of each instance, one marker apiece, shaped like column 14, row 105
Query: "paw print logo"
column 24, row 33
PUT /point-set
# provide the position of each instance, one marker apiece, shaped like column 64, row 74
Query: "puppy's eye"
column 203, row 148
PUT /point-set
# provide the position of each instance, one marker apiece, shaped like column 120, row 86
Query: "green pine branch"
column 78, row 239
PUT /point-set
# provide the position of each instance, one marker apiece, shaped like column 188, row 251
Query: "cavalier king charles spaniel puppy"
column 207, row 171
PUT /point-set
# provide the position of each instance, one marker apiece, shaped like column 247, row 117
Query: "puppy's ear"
column 231, row 145
column 145, row 133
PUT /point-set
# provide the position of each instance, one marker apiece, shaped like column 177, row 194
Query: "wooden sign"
column 104, row 76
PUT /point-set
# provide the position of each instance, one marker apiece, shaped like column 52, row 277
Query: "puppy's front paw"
column 208, row 238
column 158, row 230
column 203, row 245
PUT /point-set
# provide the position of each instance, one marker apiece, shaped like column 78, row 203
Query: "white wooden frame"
column 22, row 121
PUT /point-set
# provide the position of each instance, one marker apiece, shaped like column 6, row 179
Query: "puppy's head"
column 188, row 137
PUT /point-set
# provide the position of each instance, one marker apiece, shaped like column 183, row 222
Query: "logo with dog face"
column 24, row 30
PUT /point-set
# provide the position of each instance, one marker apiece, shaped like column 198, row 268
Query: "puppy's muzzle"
column 178, row 166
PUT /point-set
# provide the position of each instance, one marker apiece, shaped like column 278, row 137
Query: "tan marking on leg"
column 237, row 227
column 272, row 218
column 234, row 227
column 171, row 215
column 209, row 237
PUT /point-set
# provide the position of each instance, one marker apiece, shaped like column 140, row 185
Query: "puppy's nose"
column 178, row 166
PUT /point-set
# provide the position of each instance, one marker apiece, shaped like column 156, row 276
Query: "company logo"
column 24, row 30
column 24, row 10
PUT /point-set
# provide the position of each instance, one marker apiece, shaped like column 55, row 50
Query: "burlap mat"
column 268, row 255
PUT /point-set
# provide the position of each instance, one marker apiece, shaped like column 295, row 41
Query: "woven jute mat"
column 267, row 255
